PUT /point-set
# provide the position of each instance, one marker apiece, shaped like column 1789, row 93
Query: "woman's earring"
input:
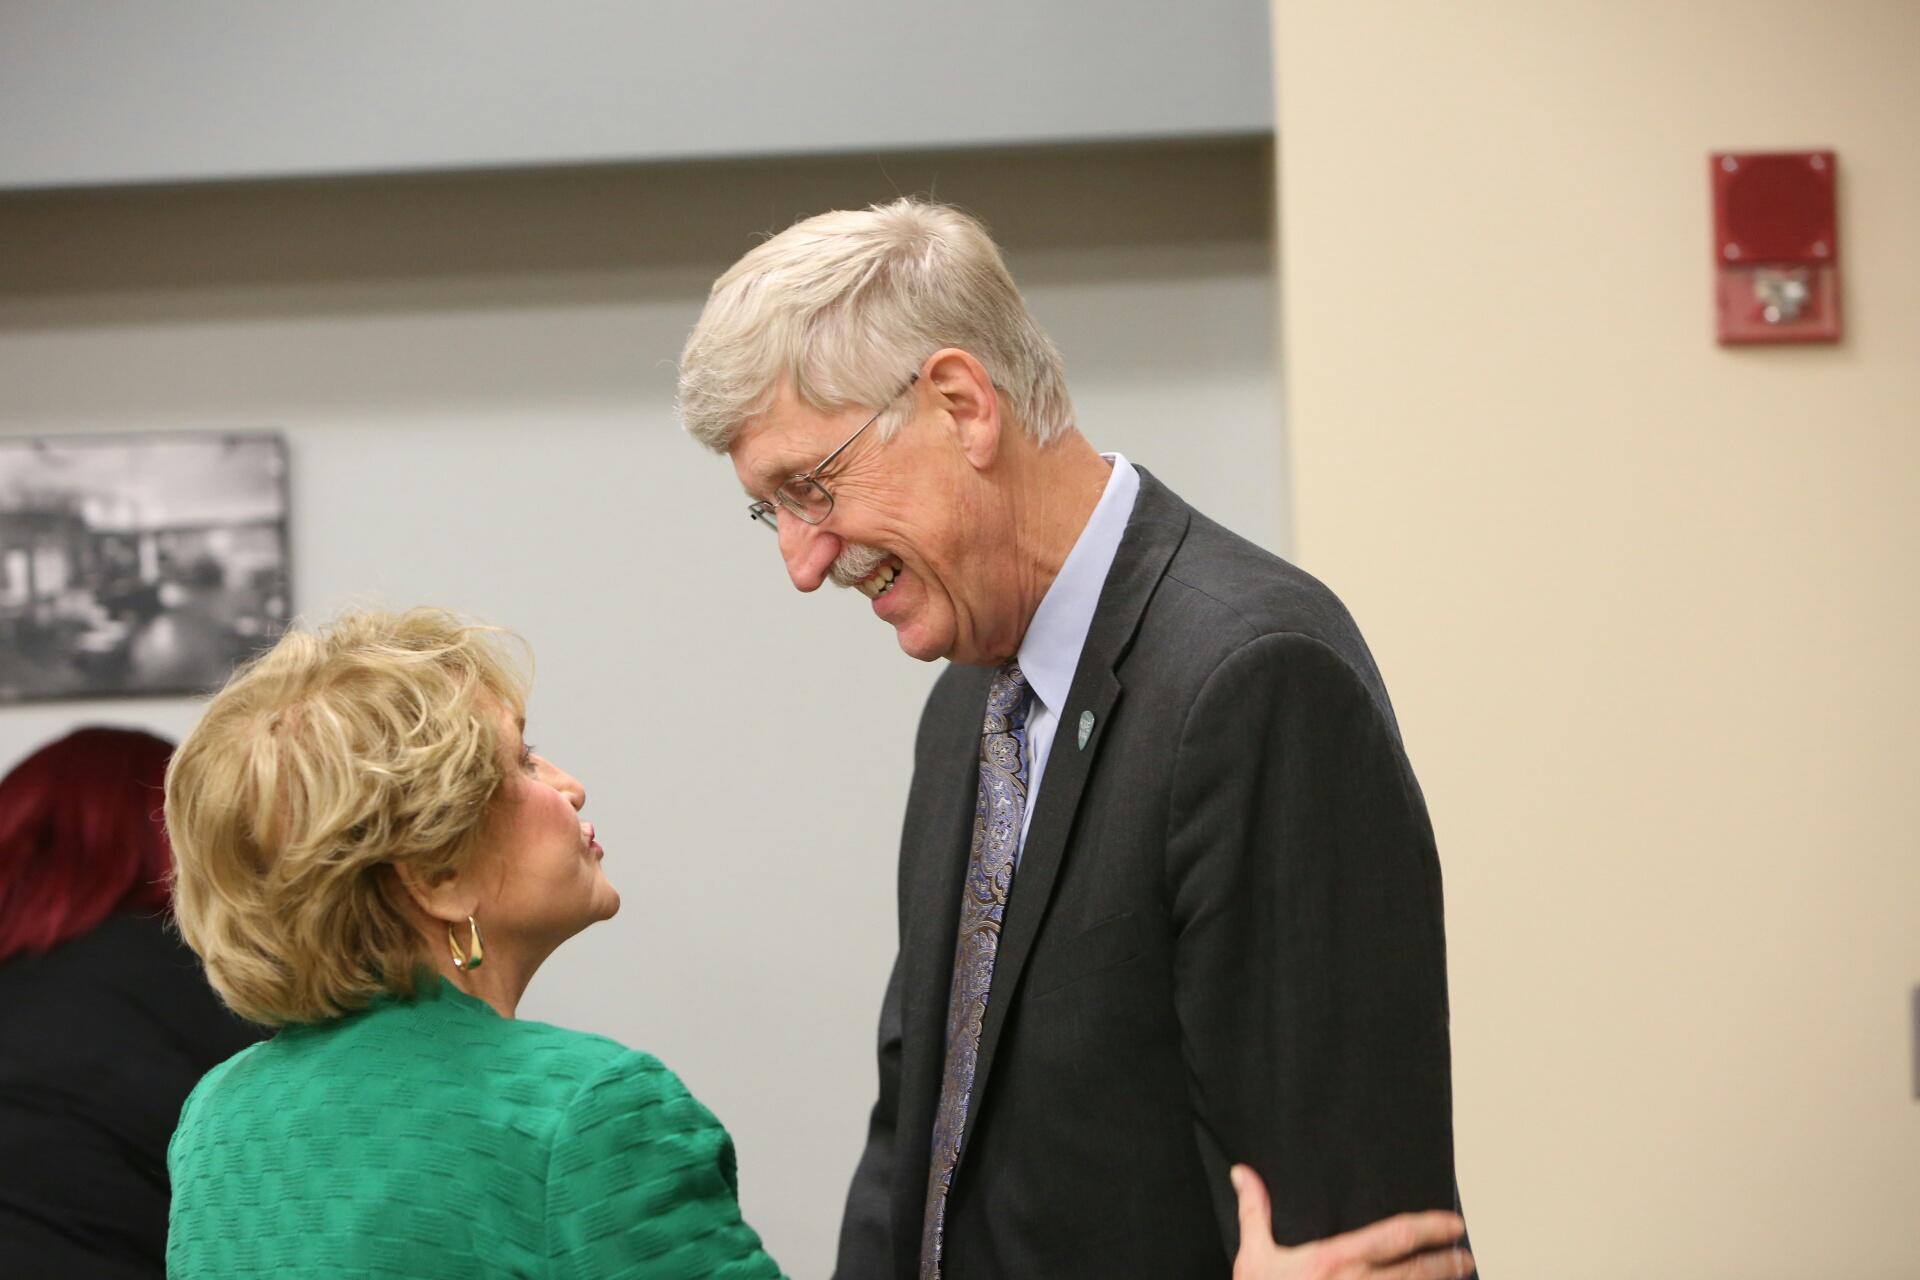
column 475, row 953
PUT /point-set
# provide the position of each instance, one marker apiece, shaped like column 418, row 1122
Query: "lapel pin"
column 1086, row 728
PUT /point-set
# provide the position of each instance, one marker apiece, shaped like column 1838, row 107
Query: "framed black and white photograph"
column 135, row 565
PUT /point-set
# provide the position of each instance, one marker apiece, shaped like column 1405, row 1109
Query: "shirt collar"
column 1050, row 652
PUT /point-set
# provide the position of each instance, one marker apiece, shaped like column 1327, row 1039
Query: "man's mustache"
column 856, row 563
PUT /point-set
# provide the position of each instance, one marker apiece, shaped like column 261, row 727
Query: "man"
column 1169, row 898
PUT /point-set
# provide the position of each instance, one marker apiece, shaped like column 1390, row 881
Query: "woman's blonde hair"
column 845, row 306
column 373, row 741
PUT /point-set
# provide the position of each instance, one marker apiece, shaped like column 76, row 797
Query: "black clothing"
column 101, row 1040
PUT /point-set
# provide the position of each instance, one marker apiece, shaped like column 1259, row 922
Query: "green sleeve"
column 642, row 1184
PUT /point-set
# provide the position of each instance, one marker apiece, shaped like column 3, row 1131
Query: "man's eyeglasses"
column 804, row 495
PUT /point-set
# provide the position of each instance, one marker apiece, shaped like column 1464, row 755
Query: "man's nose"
column 808, row 550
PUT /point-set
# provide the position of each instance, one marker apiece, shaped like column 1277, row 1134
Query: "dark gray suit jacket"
column 1223, row 943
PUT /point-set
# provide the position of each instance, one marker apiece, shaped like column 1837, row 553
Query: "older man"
column 1169, row 898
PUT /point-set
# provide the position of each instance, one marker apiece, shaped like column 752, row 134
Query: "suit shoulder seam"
column 1253, row 628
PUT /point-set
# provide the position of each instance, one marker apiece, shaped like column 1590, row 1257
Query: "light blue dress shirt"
column 1050, row 652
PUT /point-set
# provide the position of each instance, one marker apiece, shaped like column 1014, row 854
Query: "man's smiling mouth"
column 881, row 580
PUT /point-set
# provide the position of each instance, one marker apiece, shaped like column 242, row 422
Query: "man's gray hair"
column 846, row 306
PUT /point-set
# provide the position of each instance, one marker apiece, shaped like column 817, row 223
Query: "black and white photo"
column 133, row 565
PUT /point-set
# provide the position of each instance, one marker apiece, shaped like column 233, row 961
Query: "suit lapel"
column 1154, row 532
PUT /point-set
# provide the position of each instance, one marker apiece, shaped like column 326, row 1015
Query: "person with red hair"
column 79, row 837
column 106, row 1020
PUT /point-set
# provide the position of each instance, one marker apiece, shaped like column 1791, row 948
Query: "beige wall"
column 1648, row 606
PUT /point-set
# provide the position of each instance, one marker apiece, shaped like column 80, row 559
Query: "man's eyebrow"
column 770, row 477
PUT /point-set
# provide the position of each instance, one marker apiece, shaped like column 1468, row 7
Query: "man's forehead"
column 777, row 443
column 757, row 453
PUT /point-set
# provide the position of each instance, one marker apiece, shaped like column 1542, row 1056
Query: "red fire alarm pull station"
column 1775, row 246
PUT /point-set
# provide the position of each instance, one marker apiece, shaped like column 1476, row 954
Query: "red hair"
column 82, row 836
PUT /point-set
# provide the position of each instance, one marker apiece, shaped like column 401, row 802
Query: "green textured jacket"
column 436, row 1138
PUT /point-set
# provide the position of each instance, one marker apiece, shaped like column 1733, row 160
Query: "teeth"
column 881, row 580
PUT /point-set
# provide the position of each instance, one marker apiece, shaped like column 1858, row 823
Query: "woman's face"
column 539, row 871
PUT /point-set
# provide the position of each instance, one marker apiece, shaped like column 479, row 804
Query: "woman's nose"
column 570, row 787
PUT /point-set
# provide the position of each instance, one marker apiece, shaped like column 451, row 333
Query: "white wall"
column 116, row 91
column 490, row 426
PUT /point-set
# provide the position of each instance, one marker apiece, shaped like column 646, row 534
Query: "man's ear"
column 443, row 895
column 963, row 388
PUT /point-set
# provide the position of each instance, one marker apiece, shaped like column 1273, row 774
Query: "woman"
column 373, row 859
column 105, row 1019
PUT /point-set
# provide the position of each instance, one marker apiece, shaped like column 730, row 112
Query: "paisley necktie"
column 999, row 810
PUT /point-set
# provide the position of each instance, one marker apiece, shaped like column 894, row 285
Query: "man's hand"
column 1407, row 1247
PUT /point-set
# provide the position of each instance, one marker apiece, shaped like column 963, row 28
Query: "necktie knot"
column 1007, row 700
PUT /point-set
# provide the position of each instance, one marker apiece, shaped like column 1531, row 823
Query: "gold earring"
column 475, row 954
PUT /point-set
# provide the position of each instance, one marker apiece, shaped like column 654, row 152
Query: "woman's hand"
column 1406, row 1247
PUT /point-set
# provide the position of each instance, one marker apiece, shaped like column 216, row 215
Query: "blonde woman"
column 371, row 858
